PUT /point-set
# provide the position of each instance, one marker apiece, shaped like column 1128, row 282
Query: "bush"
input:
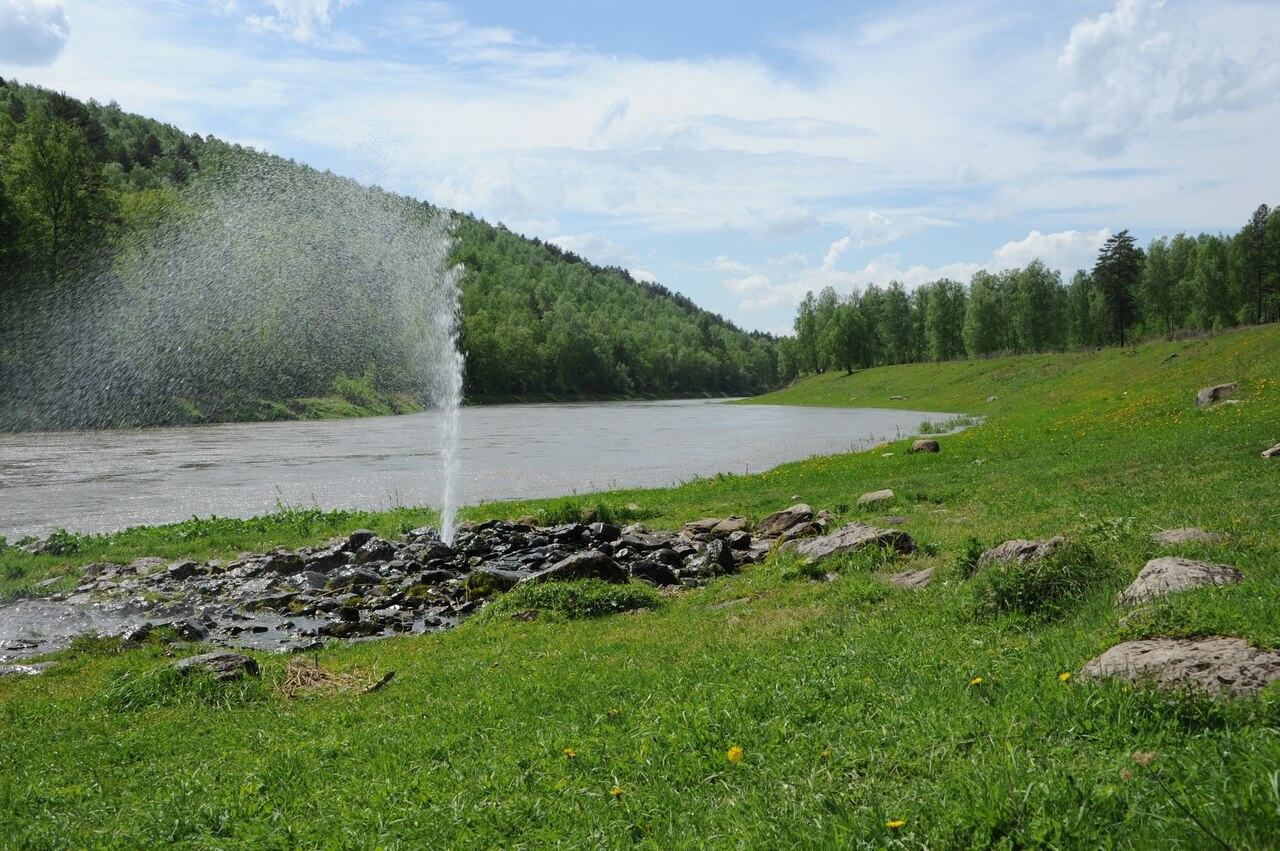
column 358, row 391
column 1042, row 588
column 587, row 598
column 966, row 563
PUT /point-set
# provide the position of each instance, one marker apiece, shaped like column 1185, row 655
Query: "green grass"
column 854, row 702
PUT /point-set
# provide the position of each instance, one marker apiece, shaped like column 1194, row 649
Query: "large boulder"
column 847, row 539
column 729, row 525
column 1020, row 551
column 778, row 522
column 927, row 445
column 588, row 564
column 1208, row 395
column 219, row 665
column 1219, row 665
column 1162, row 576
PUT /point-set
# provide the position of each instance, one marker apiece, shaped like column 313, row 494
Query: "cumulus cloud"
column 1065, row 251
column 840, row 246
column 878, row 229
column 302, row 20
column 32, row 32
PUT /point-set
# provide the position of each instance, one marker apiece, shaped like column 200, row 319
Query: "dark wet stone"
column 189, row 630
column 348, row 629
column 359, row 538
column 604, row 531
column 375, row 550
column 184, row 570
column 653, row 572
column 328, row 560
column 588, row 564
column 667, row 556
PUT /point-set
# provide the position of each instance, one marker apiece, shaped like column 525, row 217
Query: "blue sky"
column 741, row 153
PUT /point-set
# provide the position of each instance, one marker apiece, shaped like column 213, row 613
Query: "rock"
column 30, row 669
column 912, row 578
column 653, row 572
column 527, row 520
column 1186, row 535
column 896, row 398
column 604, row 531
column 892, row 520
column 875, row 496
column 1208, row 395
column 359, row 538
column 328, row 559
column 780, row 521
column 220, row 665
column 730, row 525
column 992, row 398
column 189, row 630
column 373, row 550
column 740, row 540
column 1219, row 665
column 184, row 570
column 1162, row 576
column 137, row 634
column 925, row 446
column 800, row 530
column 701, row 527
column 855, row 536
column 1020, row 551
column 1272, row 452
column 588, row 564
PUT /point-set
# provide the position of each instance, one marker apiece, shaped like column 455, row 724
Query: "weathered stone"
column 925, row 446
column 1219, row 665
column 189, row 630
column 1020, row 551
column 876, row 496
column 778, row 522
column 527, row 520
column 327, row 560
column 1186, row 535
column 701, row 527
column 653, row 572
column 897, row 398
column 359, row 538
column 892, row 520
column 604, row 531
column 588, row 564
column 729, row 525
column 373, row 550
column 855, row 536
column 912, row 578
column 220, row 665
column 1208, row 395
column 992, row 398
column 800, row 530
column 348, row 629
column 182, row 570
column 1162, row 576
column 740, row 540
column 1272, row 452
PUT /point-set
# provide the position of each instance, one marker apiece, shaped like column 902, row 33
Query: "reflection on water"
column 105, row 480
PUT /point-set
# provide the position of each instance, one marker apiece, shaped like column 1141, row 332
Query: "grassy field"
column 767, row 710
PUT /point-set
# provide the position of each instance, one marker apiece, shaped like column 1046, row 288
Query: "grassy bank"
column 862, row 714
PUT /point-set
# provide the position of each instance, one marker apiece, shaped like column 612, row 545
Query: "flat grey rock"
column 1162, row 576
column 875, row 496
column 1218, row 665
column 855, row 536
column 780, row 521
column 1020, row 551
column 912, row 578
column 1208, row 395
column 1186, row 535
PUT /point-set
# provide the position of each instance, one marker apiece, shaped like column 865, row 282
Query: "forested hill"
column 150, row 276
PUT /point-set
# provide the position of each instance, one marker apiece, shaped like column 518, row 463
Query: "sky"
column 741, row 153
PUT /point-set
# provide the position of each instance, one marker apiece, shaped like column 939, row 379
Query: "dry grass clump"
column 306, row 677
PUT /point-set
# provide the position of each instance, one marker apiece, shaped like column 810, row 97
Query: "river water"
column 99, row 481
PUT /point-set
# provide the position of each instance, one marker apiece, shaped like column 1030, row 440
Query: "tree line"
column 1184, row 283
column 149, row 276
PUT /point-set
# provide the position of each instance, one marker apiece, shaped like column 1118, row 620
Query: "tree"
column 1116, row 274
column 1256, row 243
column 944, row 307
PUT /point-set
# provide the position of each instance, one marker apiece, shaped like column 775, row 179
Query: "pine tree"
column 1116, row 274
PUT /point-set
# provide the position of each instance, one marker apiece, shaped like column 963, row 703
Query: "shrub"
column 1042, row 588
column 967, row 561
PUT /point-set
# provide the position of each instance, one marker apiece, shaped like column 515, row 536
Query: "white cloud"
column 302, row 20
column 840, row 246
column 1065, row 251
column 878, row 229
column 32, row 32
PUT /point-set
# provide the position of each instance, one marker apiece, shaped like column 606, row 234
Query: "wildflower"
column 570, row 752
column 1144, row 758
column 735, row 754
column 613, row 713
column 616, row 791
column 976, row 681
column 895, row 824
column 1064, row 676
column 1126, row 774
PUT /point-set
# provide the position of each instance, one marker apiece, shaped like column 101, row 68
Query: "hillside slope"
column 272, row 283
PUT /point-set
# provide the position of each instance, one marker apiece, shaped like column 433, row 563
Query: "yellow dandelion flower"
column 570, row 752
column 613, row 713
column 616, row 791
column 735, row 754
column 895, row 824
column 1064, row 676
column 976, row 681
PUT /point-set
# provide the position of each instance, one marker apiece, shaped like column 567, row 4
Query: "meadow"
column 784, row 707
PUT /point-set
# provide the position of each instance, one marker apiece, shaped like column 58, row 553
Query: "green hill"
column 148, row 276
column 864, row 715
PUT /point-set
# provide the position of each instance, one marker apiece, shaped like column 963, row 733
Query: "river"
column 99, row 481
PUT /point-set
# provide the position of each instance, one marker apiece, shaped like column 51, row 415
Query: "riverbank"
column 765, row 709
